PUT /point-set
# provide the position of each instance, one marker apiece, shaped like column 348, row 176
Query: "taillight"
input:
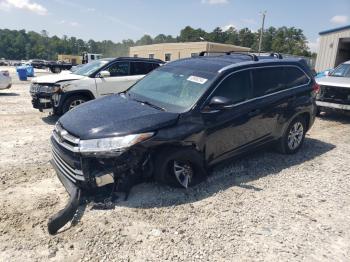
column 5, row 73
column 316, row 88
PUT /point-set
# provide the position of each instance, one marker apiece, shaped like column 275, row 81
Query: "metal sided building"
column 173, row 51
column 334, row 48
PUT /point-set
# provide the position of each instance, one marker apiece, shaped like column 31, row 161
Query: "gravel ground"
column 261, row 207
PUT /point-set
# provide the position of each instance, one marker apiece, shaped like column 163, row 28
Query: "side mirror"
column 104, row 74
column 329, row 72
column 219, row 103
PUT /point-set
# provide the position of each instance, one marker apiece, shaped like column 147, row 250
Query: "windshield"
column 173, row 89
column 341, row 71
column 90, row 68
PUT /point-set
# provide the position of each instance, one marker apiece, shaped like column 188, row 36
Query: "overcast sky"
column 117, row 20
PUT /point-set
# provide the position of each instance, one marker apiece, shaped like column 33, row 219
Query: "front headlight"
column 113, row 144
column 49, row 89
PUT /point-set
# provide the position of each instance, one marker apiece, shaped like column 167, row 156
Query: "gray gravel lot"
column 261, row 207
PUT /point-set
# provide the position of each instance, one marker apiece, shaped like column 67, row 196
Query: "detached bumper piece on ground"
column 57, row 221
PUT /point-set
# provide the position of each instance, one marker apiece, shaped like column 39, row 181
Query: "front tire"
column 293, row 137
column 179, row 167
column 72, row 102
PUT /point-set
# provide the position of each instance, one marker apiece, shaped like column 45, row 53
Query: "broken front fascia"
column 96, row 158
column 123, row 170
column 334, row 97
column 45, row 96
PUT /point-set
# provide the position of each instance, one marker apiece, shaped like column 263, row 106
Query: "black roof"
column 137, row 59
column 210, row 63
column 214, row 64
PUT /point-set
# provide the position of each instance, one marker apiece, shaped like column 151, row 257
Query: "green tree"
column 189, row 34
column 145, row 40
column 20, row 44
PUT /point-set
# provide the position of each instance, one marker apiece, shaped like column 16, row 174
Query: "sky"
column 130, row 19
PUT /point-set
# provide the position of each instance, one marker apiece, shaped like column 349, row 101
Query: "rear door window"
column 236, row 87
column 141, row 68
column 119, row 69
column 268, row 80
column 295, row 77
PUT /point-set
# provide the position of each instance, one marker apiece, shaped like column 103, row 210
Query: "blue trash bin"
column 30, row 71
column 22, row 73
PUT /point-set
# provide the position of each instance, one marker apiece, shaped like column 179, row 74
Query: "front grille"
column 64, row 139
column 72, row 174
column 34, row 88
column 66, row 162
column 335, row 94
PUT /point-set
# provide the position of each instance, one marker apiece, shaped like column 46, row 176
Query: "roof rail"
column 277, row 55
column 252, row 56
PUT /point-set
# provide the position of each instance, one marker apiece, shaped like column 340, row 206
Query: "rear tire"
column 179, row 167
column 55, row 70
column 293, row 137
column 318, row 111
column 72, row 102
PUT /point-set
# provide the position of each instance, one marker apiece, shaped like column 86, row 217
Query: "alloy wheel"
column 76, row 103
column 295, row 136
column 183, row 173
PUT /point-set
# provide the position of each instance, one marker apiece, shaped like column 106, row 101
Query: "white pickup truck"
column 62, row 92
column 335, row 89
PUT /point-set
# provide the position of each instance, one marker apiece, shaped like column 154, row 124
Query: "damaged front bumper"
column 81, row 174
column 335, row 106
column 333, row 98
column 65, row 215
column 43, row 102
column 43, row 99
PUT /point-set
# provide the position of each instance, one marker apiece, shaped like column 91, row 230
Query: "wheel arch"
column 65, row 95
column 305, row 115
column 86, row 93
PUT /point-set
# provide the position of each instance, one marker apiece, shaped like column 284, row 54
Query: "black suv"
column 183, row 117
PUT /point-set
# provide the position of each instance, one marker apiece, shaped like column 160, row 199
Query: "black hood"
column 114, row 115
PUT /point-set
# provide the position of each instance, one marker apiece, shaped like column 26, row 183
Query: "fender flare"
column 66, row 95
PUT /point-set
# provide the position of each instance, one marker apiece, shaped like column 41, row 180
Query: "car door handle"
column 254, row 112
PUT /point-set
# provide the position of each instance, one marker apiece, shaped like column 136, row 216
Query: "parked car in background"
column 335, row 89
column 323, row 73
column 3, row 62
column 62, row 92
column 5, row 79
column 58, row 66
column 181, row 118
column 38, row 64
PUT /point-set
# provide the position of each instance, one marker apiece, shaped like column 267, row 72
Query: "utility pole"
column 262, row 30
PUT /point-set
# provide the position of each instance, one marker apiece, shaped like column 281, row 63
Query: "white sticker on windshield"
column 197, row 79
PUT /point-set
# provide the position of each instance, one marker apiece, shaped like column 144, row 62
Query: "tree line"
column 19, row 44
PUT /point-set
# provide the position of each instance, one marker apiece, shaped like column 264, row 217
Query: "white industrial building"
column 334, row 48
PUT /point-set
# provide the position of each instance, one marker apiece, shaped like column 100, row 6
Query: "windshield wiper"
column 150, row 104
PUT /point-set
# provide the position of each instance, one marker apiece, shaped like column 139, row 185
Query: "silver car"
column 335, row 89
column 5, row 79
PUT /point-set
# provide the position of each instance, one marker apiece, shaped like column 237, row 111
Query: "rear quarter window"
column 274, row 79
column 155, row 65
column 295, row 77
column 141, row 68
